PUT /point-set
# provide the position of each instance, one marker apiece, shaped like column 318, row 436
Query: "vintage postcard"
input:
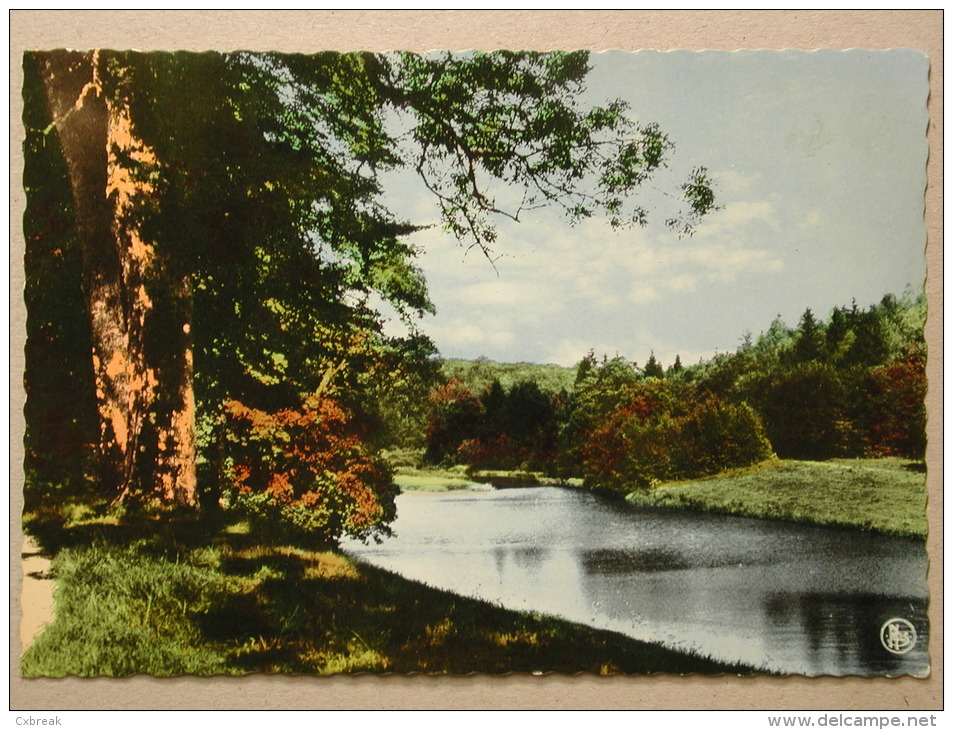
column 475, row 362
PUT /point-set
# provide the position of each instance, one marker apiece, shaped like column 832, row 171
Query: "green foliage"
column 600, row 389
column 803, row 411
column 455, row 416
column 814, row 387
column 392, row 392
column 656, row 433
column 501, row 429
column 518, row 429
column 653, row 369
column 504, row 116
column 60, row 411
column 809, row 339
column 271, row 518
column 806, row 393
column 509, row 416
column 853, row 386
column 714, row 436
column 699, row 194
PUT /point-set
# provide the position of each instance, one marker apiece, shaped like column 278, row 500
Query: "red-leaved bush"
column 896, row 412
column 307, row 471
column 650, row 439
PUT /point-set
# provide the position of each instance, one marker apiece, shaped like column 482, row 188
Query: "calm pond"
column 779, row 596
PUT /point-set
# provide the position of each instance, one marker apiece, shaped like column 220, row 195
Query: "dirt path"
column 36, row 596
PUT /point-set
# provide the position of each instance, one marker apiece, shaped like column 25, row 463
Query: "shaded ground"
column 207, row 601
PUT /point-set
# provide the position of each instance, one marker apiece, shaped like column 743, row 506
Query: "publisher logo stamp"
column 898, row 636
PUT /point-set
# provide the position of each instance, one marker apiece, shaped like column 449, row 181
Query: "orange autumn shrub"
column 306, row 472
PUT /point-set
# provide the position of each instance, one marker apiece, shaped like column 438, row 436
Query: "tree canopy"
column 219, row 217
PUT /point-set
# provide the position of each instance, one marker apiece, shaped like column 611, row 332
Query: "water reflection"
column 790, row 598
column 845, row 630
column 629, row 561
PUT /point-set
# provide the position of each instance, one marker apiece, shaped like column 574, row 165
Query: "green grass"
column 430, row 482
column 165, row 595
column 121, row 611
column 411, row 475
column 164, row 607
column 431, row 479
column 887, row 495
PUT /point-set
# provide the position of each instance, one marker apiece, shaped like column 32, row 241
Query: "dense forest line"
column 852, row 385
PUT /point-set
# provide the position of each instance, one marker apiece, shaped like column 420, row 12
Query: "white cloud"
column 734, row 181
column 559, row 287
column 580, row 284
column 502, row 293
column 458, row 333
column 723, row 262
column 567, row 352
column 736, row 215
column 682, row 283
column 641, row 293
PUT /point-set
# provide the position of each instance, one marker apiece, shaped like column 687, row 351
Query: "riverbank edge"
column 641, row 500
column 383, row 623
column 685, row 495
column 436, row 479
column 802, row 508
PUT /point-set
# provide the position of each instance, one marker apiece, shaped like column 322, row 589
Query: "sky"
column 819, row 160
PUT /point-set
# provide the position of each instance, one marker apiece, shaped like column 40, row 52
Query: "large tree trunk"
column 111, row 173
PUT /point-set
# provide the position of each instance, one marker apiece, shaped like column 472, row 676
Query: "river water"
column 788, row 598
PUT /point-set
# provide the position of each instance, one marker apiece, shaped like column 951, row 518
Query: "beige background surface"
column 309, row 31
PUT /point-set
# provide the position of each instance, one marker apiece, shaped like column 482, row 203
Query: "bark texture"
column 146, row 406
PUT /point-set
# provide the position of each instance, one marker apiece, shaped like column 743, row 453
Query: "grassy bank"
column 888, row 495
column 443, row 480
column 411, row 473
column 432, row 479
column 176, row 604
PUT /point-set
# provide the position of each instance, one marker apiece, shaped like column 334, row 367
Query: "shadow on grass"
column 195, row 598
column 321, row 613
column 168, row 529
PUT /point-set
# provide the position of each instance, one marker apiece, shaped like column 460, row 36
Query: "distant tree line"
column 852, row 386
